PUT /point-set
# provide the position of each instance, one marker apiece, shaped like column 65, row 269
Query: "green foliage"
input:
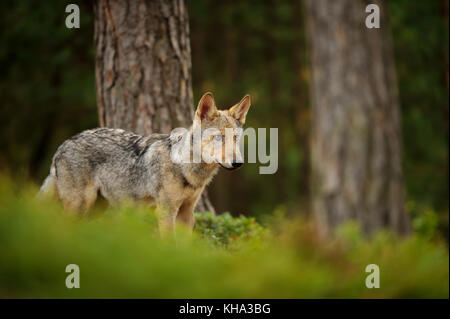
column 120, row 254
column 425, row 221
column 225, row 230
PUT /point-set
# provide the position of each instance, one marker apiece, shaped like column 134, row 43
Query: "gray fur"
column 121, row 165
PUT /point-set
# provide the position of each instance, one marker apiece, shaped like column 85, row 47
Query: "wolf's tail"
column 49, row 186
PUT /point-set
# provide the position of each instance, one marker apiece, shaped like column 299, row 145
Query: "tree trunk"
column 356, row 130
column 143, row 67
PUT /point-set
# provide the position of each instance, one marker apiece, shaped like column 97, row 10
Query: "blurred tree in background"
column 356, row 131
column 47, row 86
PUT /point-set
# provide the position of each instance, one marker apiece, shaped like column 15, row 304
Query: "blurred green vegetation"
column 227, row 231
column 120, row 255
column 47, row 87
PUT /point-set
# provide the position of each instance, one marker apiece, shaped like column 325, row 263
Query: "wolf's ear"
column 239, row 111
column 206, row 107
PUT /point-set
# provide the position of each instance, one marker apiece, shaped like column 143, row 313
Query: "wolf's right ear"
column 239, row 111
column 206, row 108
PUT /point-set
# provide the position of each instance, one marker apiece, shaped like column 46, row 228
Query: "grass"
column 120, row 255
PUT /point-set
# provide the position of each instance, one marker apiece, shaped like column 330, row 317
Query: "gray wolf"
column 121, row 165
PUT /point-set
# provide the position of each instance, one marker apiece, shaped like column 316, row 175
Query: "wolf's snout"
column 236, row 164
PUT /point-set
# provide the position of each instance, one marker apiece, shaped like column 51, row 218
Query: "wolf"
column 121, row 165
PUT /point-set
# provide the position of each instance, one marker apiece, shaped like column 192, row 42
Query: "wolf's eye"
column 218, row 137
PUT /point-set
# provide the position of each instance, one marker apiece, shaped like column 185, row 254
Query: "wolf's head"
column 221, row 131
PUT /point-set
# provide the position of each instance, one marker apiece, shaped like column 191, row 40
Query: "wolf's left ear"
column 239, row 111
column 206, row 108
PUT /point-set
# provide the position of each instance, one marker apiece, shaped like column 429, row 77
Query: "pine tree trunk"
column 143, row 67
column 356, row 130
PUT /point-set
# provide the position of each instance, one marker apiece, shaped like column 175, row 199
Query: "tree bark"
column 143, row 67
column 356, row 130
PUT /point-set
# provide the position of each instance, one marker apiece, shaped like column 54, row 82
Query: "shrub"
column 226, row 231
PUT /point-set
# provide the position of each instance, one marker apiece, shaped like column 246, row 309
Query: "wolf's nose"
column 236, row 164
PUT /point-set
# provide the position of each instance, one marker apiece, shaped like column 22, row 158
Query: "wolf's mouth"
column 227, row 168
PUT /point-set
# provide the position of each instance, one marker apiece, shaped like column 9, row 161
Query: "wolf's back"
column 100, row 144
column 103, row 152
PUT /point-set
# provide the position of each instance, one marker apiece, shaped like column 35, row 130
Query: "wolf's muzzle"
column 236, row 164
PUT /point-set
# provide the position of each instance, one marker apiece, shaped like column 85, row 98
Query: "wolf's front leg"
column 166, row 219
column 186, row 211
column 186, row 214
